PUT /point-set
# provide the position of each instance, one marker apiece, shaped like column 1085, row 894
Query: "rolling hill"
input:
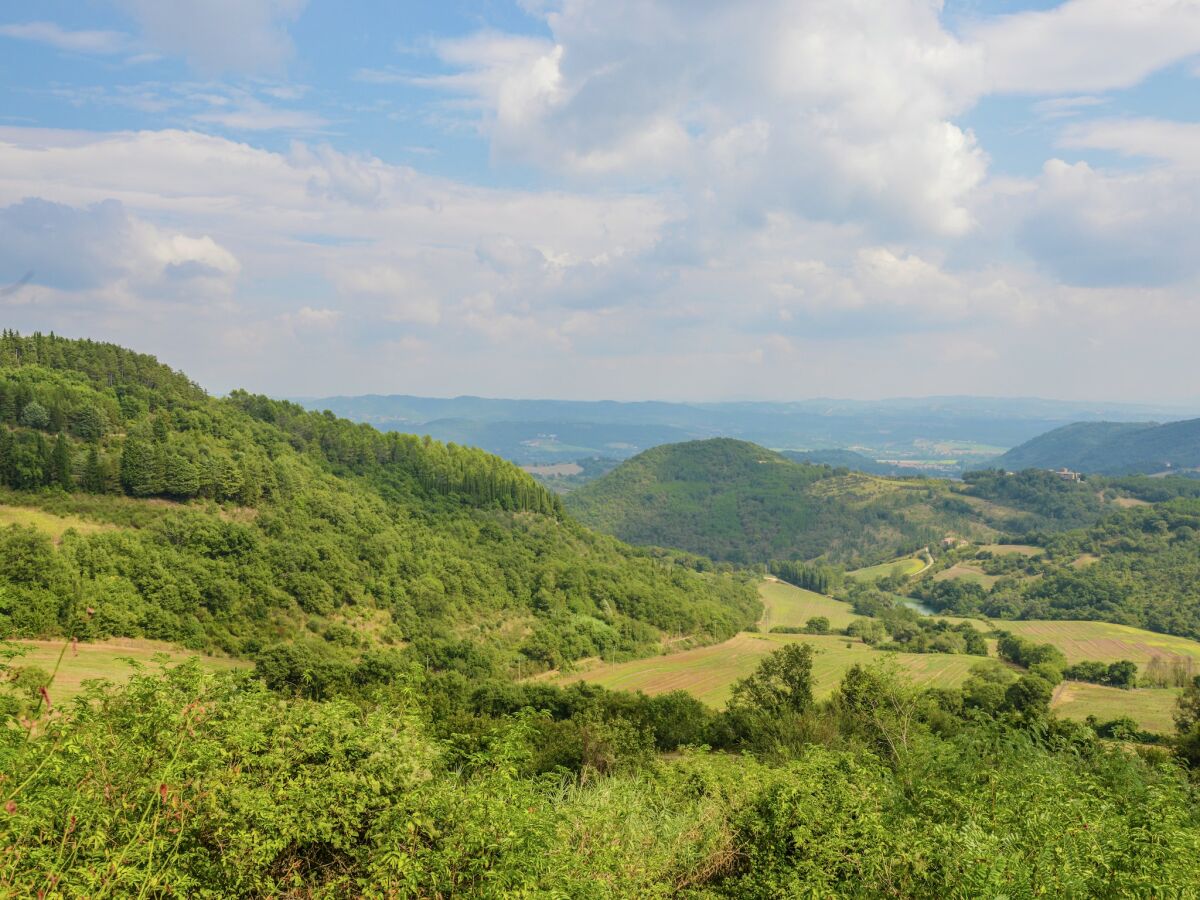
column 1111, row 448
column 736, row 501
column 143, row 508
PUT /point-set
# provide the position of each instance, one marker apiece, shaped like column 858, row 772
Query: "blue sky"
column 678, row 199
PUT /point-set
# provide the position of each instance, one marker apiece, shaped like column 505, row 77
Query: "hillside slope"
column 1111, row 448
column 237, row 523
column 737, row 501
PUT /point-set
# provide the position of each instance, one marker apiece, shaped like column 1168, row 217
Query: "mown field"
column 789, row 606
column 1100, row 641
column 708, row 673
column 967, row 572
column 1151, row 708
column 109, row 660
column 904, row 567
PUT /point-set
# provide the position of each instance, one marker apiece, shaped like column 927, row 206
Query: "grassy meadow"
column 1103, row 641
column 1151, row 708
column 910, row 565
column 51, row 523
column 109, row 660
column 790, row 606
column 708, row 673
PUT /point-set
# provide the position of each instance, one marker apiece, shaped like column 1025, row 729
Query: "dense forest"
column 269, row 522
column 735, row 501
column 1137, row 566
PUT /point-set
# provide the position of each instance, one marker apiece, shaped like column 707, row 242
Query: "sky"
column 621, row 199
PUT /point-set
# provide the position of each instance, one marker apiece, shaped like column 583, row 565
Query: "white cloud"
column 219, row 35
column 78, row 41
column 1175, row 142
column 101, row 246
column 1085, row 45
column 823, row 108
column 1092, row 227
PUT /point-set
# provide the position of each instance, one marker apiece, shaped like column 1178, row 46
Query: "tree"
column 94, row 481
column 817, row 625
column 140, row 473
column 89, row 423
column 1187, row 723
column 783, row 682
column 1029, row 697
column 34, row 415
column 181, row 477
column 1122, row 674
column 60, row 464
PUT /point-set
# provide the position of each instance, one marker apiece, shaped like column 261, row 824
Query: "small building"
column 1067, row 475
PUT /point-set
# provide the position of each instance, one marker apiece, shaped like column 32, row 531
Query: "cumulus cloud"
column 102, row 245
column 219, row 35
column 764, row 105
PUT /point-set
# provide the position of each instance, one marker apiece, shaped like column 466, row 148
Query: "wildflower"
column 10, row 808
column 46, row 696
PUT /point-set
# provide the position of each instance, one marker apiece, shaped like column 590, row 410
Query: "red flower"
column 10, row 808
column 46, row 696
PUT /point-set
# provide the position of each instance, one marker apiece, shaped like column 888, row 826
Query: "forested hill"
column 736, row 501
column 236, row 523
column 1111, row 448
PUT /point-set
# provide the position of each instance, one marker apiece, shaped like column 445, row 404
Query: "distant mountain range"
column 948, row 433
column 1111, row 448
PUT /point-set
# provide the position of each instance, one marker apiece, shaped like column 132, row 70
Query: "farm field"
column 1151, row 708
column 908, row 566
column 47, row 522
column 708, row 673
column 967, row 572
column 1102, row 641
column 1010, row 549
column 787, row 605
column 105, row 659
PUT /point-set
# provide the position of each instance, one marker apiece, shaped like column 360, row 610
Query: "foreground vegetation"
column 197, row 784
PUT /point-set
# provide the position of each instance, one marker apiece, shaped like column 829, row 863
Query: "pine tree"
column 140, row 473
column 60, row 464
column 7, row 458
column 93, row 474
